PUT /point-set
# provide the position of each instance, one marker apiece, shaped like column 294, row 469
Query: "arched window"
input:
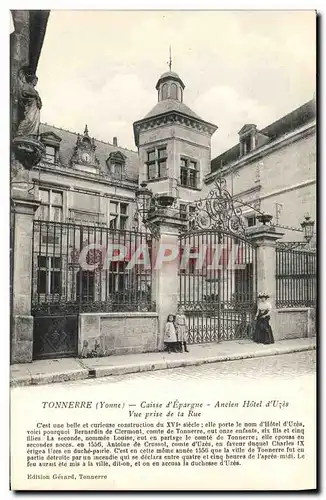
column 174, row 91
column 181, row 95
column 165, row 91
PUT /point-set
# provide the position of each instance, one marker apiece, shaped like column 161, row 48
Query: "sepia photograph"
column 163, row 250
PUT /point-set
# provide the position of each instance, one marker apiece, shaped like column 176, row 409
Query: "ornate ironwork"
column 55, row 336
column 71, row 275
column 293, row 245
column 218, row 298
column 217, row 211
column 296, row 281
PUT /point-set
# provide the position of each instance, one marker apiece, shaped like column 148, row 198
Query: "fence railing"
column 296, row 284
column 79, row 268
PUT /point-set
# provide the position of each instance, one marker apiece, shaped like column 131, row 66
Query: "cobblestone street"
column 288, row 366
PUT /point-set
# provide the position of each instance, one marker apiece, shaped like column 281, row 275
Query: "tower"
column 174, row 143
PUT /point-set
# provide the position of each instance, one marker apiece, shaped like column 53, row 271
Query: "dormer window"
column 247, row 137
column 50, row 154
column 51, row 142
column 116, row 164
column 117, row 170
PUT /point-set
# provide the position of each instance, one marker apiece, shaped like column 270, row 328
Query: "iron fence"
column 79, row 268
column 217, row 284
column 295, row 277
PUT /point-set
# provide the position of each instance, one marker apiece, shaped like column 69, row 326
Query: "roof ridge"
column 98, row 140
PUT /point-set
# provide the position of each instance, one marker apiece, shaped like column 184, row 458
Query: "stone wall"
column 283, row 178
column 104, row 334
column 291, row 323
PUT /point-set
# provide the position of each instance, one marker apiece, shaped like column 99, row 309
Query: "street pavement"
column 68, row 369
column 287, row 366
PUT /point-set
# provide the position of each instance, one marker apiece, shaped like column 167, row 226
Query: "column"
column 165, row 274
column 21, row 275
column 265, row 238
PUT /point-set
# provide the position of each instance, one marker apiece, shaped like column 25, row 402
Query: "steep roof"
column 171, row 105
column 280, row 127
column 103, row 150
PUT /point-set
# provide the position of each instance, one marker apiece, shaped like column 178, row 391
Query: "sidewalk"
column 62, row 370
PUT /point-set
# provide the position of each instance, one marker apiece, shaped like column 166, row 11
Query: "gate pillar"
column 265, row 238
column 22, row 216
column 165, row 265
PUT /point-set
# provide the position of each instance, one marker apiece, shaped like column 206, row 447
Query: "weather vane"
column 170, row 59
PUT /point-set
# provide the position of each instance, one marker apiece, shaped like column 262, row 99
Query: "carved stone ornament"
column 28, row 150
column 84, row 151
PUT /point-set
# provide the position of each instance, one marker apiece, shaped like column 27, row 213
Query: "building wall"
column 85, row 194
column 282, row 179
column 180, row 141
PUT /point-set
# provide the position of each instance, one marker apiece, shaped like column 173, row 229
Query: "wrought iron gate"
column 217, row 271
column 70, row 275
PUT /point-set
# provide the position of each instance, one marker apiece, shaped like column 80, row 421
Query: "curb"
column 106, row 371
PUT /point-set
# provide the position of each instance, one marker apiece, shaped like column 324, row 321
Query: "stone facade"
column 295, row 323
column 117, row 333
column 183, row 138
column 25, row 44
column 278, row 174
column 87, row 194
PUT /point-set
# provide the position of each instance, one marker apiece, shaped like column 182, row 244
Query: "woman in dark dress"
column 263, row 332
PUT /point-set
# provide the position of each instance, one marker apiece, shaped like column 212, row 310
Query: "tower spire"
column 170, row 58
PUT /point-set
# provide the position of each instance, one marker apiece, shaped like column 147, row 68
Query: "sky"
column 101, row 68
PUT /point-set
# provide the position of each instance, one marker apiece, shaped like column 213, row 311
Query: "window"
column 157, row 163
column 183, row 211
column 118, row 278
column 116, row 163
column 186, row 211
column 165, row 91
column 174, row 91
column 51, row 142
column 117, row 170
column 118, row 215
column 50, row 154
column 48, row 275
column 51, row 205
column 247, row 143
column 188, row 173
column 85, row 286
column 243, row 284
column 251, row 221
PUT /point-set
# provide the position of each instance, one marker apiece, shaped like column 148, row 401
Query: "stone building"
column 83, row 180
column 174, row 143
column 274, row 170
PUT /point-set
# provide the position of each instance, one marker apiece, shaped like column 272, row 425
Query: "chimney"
column 115, row 141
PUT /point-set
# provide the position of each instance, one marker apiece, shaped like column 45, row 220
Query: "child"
column 181, row 328
column 170, row 337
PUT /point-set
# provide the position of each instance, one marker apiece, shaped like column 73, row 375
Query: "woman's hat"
column 262, row 295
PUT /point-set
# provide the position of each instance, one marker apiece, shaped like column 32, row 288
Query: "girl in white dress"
column 170, row 337
column 181, row 329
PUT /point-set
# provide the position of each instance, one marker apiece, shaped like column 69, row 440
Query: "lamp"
column 308, row 227
column 144, row 197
